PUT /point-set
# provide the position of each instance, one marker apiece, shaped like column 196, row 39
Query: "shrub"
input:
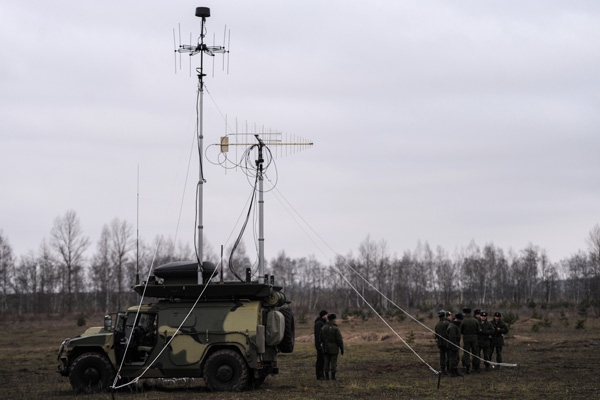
column 563, row 318
column 81, row 319
column 302, row 318
column 535, row 315
column 580, row 324
column 583, row 307
column 510, row 318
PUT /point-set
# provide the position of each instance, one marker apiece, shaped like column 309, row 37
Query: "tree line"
column 59, row 279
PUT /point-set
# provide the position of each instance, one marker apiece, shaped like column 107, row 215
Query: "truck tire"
column 226, row 370
column 91, row 373
column 289, row 336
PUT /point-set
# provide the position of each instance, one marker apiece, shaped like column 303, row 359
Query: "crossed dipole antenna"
column 201, row 46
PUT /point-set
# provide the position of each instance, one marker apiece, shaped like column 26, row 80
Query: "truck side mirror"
column 107, row 323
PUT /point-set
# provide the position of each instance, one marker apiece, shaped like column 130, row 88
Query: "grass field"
column 555, row 362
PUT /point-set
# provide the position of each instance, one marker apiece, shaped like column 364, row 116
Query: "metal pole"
column 261, row 213
column 200, row 227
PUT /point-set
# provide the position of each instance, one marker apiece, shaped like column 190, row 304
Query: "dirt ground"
column 555, row 361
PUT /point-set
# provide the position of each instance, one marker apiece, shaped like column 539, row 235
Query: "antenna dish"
column 202, row 12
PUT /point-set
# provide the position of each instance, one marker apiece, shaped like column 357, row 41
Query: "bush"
column 302, row 318
column 563, row 318
column 82, row 319
column 580, row 324
column 510, row 318
column 583, row 307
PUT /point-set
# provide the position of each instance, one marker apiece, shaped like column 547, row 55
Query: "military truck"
column 228, row 333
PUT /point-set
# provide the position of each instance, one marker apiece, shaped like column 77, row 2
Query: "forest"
column 60, row 280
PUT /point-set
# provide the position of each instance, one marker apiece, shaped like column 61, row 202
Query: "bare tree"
column 445, row 273
column 7, row 269
column 548, row 276
column 48, row 280
column 26, row 279
column 593, row 241
column 69, row 244
column 101, row 272
column 121, row 243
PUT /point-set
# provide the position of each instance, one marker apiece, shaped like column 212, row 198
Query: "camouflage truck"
column 228, row 333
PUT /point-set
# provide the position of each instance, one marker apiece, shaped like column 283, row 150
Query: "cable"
column 369, row 284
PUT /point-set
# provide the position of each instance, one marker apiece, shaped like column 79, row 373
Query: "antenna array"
column 200, row 46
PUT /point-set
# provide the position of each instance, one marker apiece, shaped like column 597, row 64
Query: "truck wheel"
column 289, row 336
column 91, row 373
column 226, row 370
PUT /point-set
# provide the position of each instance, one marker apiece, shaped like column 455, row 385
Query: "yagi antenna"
column 274, row 140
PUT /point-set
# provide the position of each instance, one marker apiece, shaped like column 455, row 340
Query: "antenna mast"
column 201, row 48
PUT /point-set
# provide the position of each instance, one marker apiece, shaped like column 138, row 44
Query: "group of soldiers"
column 479, row 337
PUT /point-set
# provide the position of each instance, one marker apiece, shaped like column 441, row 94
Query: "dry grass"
column 556, row 362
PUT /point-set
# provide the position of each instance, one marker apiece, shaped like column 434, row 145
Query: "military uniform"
column 332, row 345
column 441, row 330
column 470, row 331
column 454, row 339
column 500, row 329
column 486, row 330
column 319, row 323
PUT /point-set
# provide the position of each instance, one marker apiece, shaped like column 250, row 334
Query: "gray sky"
column 433, row 121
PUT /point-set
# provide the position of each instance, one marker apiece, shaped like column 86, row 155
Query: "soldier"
column 319, row 323
column 500, row 329
column 454, row 343
column 332, row 344
column 441, row 335
column 470, row 330
column 486, row 331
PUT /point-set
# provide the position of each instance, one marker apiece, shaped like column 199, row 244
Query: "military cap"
column 322, row 313
column 483, row 313
column 459, row 315
column 331, row 316
column 442, row 314
column 467, row 310
column 477, row 311
column 448, row 313
column 497, row 314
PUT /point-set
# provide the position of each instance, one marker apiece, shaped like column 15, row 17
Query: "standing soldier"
column 500, row 329
column 470, row 331
column 332, row 344
column 486, row 331
column 441, row 335
column 454, row 343
column 319, row 323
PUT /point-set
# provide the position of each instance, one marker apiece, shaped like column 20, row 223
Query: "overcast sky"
column 435, row 121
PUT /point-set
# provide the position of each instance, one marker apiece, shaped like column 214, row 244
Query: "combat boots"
column 326, row 376
column 333, row 378
column 454, row 372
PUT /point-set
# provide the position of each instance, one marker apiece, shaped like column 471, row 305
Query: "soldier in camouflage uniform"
column 454, row 343
column 500, row 329
column 486, row 330
column 441, row 336
column 470, row 331
column 333, row 344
